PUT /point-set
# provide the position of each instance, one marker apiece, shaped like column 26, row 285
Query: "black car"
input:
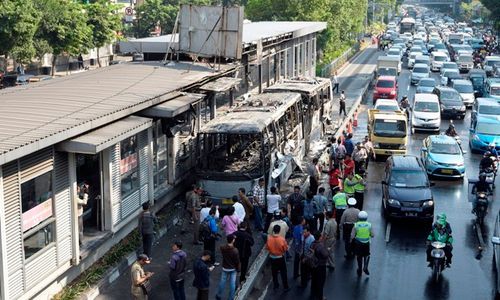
column 406, row 190
column 450, row 101
column 477, row 77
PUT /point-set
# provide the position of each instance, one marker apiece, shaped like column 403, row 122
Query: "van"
column 485, row 106
column 489, row 62
column 492, row 88
column 426, row 115
column 406, row 190
column 437, row 60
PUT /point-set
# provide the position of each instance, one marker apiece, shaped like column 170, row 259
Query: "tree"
column 104, row 22
column 494, row 8
column 63, row 29
column 153, row 12
column 18, row 23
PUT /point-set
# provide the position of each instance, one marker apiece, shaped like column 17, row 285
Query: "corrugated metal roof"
column 36, row 116
column 173, row 107
column 106, row 136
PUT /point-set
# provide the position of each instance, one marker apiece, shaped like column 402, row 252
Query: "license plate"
column 444, row 171
column 411, row 214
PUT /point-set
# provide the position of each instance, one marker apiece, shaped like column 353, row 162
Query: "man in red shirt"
column 335, row 176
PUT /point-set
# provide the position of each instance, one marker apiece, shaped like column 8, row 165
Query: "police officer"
column 349, row 183
column 340, row 204
column 349, row 217
column 359, row 189
column 361, row 234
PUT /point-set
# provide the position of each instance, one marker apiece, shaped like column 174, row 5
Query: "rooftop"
column 36, row 116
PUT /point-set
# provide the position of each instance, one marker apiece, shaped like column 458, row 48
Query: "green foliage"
column 494, row 9
column 18, row 23
column 103, row 21
column 93, row 274
column 63, row 27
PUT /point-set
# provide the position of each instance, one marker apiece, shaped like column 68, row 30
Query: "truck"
column 388, row 131
column 390, row 66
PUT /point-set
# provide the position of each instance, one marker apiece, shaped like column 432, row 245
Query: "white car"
column 426, row 115
column 437, row 60
column 449, row 73
column 466, row 91
column 411, row 59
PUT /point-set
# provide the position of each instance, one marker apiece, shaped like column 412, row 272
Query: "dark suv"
column 450, row 101
column 406, row 190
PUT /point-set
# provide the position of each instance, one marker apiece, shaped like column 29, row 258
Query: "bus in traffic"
column 407, row 25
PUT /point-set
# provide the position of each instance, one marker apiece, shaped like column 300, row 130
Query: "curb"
column 259, row 263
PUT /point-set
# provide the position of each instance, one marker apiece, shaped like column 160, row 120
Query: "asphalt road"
column 398, row 269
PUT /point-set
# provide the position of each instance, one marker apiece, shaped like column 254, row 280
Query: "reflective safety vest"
column 348, row 187
column 340, row 201
column 359, row 186
column 363, row 229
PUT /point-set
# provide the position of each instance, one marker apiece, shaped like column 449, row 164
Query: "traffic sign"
column 129, row 11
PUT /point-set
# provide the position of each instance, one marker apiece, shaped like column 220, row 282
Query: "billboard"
column 208, row 31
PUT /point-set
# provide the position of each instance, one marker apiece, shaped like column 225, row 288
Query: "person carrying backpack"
column 208, row 233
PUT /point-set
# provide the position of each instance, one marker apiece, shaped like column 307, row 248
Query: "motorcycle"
column 491, row 175
column 438, row 259
column 481, row 207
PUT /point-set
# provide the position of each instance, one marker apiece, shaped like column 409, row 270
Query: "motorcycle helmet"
column 351, row 202
column 492, row 145
column 363, row 215
column 487, row 154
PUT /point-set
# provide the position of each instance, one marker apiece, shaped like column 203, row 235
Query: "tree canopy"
column 494, row 8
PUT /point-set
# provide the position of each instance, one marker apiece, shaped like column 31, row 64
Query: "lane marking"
column 388, row 232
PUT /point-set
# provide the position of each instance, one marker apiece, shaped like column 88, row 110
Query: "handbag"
column 146, row 287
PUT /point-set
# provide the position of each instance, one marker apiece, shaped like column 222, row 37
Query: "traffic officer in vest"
column 340, row 204
column 359, row 188
column 361, row 234
column 349, row 183
column 349, row 217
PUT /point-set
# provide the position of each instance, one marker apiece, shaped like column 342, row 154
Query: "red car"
column 386, row 88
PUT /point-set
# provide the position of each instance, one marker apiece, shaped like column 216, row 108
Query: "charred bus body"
column 261, row 138
column 316, row 104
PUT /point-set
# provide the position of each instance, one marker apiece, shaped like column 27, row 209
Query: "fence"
column 329, row 69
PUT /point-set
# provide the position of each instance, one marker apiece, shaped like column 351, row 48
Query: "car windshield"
column 465, row 58
column 452, row 66
column 488, row 128
column 429, row 83
column 424, row 106
column 451, row 97
column 492, row 62
column 463, row 88
column 421, row 61
column 440, row 58
column 444, row 148
column 389, row 128
column 420, row 70
column 489, row 110
column 385, row 84
column 450, row 73
column 387, row 107
column 477, row 80
column 408, row 179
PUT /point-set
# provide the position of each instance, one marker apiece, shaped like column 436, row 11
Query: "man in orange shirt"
column 277, row 247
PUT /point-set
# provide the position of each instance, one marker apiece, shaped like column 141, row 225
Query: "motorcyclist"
column 451, row 130
column 404, row 104
column 486, row 162
column 481, row 186
column 440, row 232
column 493, row 150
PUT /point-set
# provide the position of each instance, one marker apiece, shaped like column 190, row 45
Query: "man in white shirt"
column 204, row 211
column 239, row 209
column 273, row 204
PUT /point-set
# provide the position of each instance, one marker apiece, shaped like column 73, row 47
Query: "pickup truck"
column 390, row 66
column 388, row 132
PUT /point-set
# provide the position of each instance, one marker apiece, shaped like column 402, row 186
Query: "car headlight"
column 393, row 92
column 393, row 202
column 432, row 162
column 402, row 147
column 428, row 203
column 460, row 163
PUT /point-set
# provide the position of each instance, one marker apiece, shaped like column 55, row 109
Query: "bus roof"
column 408, row 20
column 254, row 115
column 304, row 85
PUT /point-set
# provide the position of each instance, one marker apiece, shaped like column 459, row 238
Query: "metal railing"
column 328, row 70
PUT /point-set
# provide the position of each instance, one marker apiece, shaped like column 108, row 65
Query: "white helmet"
column 493, row 145
column 363, row 215
column 351, row 201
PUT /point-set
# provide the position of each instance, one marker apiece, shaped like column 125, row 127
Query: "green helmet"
column 441, row 219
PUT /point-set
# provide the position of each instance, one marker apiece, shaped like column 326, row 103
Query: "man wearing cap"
column 349, row 217
column 359, row 188
column 278, row 221
column 340, row 204
column 328, row 236
column 139, row 277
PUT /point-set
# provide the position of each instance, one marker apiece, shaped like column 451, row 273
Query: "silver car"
column 426, row 85
column 419, row 71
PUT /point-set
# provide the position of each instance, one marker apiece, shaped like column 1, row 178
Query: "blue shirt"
column 297, row 237
column 320, row 203
column 308, row 209
column 306, row 243
column 212, row 224
column 349, row 146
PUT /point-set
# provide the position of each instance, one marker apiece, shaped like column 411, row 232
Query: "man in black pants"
column 318, row 274
column 342, row 104
column 244, row 242
column 277, row 247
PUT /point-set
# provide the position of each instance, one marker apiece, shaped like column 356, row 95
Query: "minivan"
column 426, row 115
column 485, row 106
column 437, row 59
column 484, row 129
column 406, row 190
